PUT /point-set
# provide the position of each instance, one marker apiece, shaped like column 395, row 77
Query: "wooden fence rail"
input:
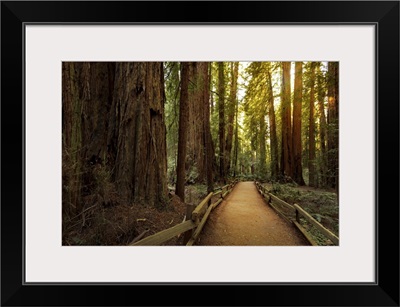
column 201, row 207
column 192, row 223
column 272, row 199
column 330, row 235
column 165, row 235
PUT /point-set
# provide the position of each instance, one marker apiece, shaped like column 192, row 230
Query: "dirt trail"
column 244, row 218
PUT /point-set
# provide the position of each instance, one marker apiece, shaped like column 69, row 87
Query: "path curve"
column 244, row 218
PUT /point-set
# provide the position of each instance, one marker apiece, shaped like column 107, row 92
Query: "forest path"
column 244, row 218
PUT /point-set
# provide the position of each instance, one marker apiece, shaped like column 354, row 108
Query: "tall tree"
column 141, row 164
column 183, row 123
column 221, row 112
column 231, row 114
column 286, row 115
column 199, row 125
column 297, row 105
column 172, row 89
column 311, row 131
column 262, row 146
column 72, row 140
column 322, row 124
column 196, row 170
column 114, row 140
column 208, row 146
column 210, row 74
column 333, row 124
column 236, row 144
column 87, row 97
column 272, row 124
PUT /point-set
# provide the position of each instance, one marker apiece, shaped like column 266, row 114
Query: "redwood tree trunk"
column 311, row 132
column 221, row 113
column 87, row 98
column 297, row 105
column 262, row 144
column 322, row 128
column 208, row 147
column 198, row 129
column 183, row 122
column 236, row 145
column 141, row 164
column 113, row 134
column 287, row 154
column 272, row 123
column 72, row 140
column 195, row 164
column 333, row 124
column 231, row 115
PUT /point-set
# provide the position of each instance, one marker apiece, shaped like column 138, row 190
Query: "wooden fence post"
column 297, row 216
column 188, row 234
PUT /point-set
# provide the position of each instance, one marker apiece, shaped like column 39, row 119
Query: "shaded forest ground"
column 120, row 224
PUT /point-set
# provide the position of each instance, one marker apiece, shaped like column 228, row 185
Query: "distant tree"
column 311, row 131
column 297, row 105
column 272, row 123
column 221, row 112
column 262, row 145
column 231, row 114
column 286, row 117
column 172, row 89
column 236, row 144
column 322, row 125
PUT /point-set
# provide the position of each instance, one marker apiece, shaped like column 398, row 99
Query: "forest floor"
column 121, row 224
column 244, row 218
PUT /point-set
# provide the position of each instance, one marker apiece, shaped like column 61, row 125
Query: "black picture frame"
column 383, row 14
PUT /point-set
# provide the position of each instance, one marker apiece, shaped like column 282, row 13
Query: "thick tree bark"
column 172, row 89
column 273, row 137
column 97, row 80
column 221, row 113
column 198, row 106
column 208, row 147
column 311, row 132
column 333, row 124
column 97, row 101
column 286, row 115
column 87, row 98
column 196, row 159
column 297, row 105
column 183, row 123
column 141, row 165
column 72, row 140
column 231, row 115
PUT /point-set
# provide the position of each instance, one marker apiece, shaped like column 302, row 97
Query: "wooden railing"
column 196, row 218
column 298, row 212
